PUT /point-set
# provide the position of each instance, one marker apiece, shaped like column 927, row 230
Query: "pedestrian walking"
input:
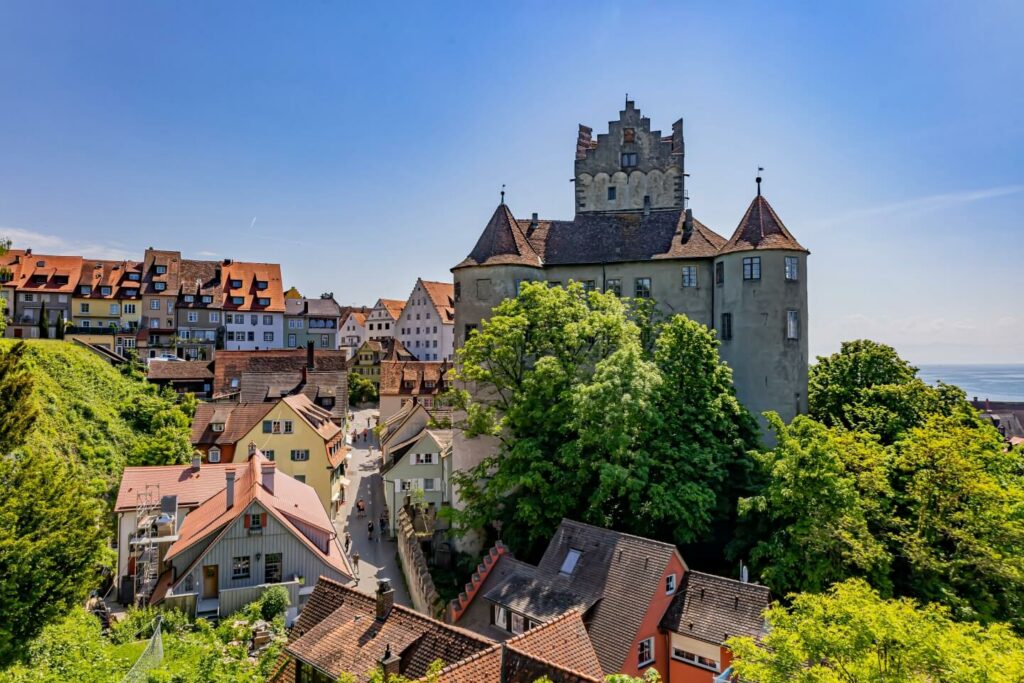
column 355, row 562
column 348, row 541
column 369, row 529
column 360, row 508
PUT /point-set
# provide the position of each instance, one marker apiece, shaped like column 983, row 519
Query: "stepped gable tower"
column 760, row 312
column 631, row 167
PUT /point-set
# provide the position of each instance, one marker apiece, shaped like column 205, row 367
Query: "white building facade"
column 426, row 326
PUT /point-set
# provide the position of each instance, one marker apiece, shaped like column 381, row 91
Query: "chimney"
column 688, row 222
column 267, row 470
column 252, row 448
column 28, row 252
column 310, row 356
column 390, row 663
column 385, row 598
column 229, row 476
column 647, row 205
column 197, row 461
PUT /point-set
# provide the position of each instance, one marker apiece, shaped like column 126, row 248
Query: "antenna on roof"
column 758, row 179
column 503, row 193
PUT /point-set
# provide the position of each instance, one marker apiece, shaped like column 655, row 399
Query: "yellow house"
column 294, row 432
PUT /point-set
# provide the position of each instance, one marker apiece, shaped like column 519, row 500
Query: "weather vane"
column 503, row 193
column 759, row 169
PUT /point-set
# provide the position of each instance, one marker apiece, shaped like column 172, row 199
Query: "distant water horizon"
column 1003, row 382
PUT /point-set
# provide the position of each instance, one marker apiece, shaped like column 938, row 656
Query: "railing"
column 105, row 329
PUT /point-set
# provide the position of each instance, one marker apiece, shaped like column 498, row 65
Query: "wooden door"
column 211, row 576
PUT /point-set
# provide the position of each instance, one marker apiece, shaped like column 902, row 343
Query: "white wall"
column 276, row 327
column 421, row 330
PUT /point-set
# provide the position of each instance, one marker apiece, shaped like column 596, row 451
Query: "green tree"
column 18, row 412
column 361, row 389
column 592, row 424
column 44, row 322
column 937, row 516
column 818, row 517
column 867, row 386
column 958, row 531
column 851, row 634
column 51, row 542
column 61, row 325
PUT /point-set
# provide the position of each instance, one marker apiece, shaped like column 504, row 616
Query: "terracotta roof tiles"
column 251, row 277
column 442, row 295
column 760, row 228
column 502, row 242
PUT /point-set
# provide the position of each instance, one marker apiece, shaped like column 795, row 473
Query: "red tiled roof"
column 238, row 420
column 191, row 486
column 50, row 267
column 760, row 228
column 188, row 369
column 563, row 640
column 171, row 260
column 409, row 378
column 100, row 273
column 502, row 242
column 355, row 315
column 338, row 632
column 392, row 306
column 442, row 295
column 290, row 500
column 250, row 274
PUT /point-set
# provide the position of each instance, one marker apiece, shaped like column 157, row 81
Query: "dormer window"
column 131, row 292
column 160, row 270
column 217, row 426
column 84, row 290
column 189, row 298
column 105, row 291
column 39, row 279
column 572, row 558
column 207, row 299
column 134, row 277
column 261, row 285
column 235, row 284
column 263, row 301
column 214, row 454
column 237, row 300
column 429, row 383
column 159, row 286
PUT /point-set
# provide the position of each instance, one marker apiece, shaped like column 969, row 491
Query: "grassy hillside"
column 93, row 413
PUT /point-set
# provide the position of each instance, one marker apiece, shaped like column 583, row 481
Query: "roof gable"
column 715, row 608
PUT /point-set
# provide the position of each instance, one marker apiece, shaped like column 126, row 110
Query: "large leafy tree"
column 18, row 412
column 596, row 423
column 819, row 517
column 850, row 634
column 938, row 516
column 867, row 386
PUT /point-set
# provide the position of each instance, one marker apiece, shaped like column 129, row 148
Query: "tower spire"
column 758, row 180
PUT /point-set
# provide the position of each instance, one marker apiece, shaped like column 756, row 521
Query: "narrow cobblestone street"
column 378, row 557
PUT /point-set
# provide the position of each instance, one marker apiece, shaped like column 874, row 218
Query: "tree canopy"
column 938, row 515
column 851, row 634
column 600, row 417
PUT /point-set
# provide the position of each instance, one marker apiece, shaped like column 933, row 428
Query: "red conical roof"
column 760, row 228
column 502, row 243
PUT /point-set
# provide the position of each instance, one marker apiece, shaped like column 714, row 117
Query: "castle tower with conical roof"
column 760, row 312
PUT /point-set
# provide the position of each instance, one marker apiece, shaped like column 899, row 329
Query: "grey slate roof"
column 714, row 608
column 256, row 387
column 316, row 308
column 761, row 228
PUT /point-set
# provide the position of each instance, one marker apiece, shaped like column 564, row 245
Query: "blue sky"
column 364, row 144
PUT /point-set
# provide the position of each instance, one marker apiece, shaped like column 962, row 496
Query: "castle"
column 632, row 234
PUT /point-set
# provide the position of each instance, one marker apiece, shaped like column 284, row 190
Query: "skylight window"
column 569, row 563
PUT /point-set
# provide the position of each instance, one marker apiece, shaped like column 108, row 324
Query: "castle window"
column 642, row 288
column 792, row 324
column 588, row 285
column 611, row 194
column 719, row 273
column 629, row 159
column 689, row 276
column 483, row 289
column 752, row 268
column 458, row 291
column 613, row 285
column 726, row 326
column 792, row 268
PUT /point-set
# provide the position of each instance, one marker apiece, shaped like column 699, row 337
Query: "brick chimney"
column 229, row 476
column 385, row 598
column 310, row 361
column 267, row 470
column 390, row 663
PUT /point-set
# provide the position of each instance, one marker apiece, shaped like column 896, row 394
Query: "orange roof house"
column 252, row 287
column 260, row 527
column 342, row 631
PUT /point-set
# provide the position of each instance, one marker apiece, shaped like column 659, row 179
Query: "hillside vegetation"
column 94, row 413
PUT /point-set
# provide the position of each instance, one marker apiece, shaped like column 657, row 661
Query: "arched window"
column 214, row 454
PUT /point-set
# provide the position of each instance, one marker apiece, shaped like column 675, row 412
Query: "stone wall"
column 414, row 565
